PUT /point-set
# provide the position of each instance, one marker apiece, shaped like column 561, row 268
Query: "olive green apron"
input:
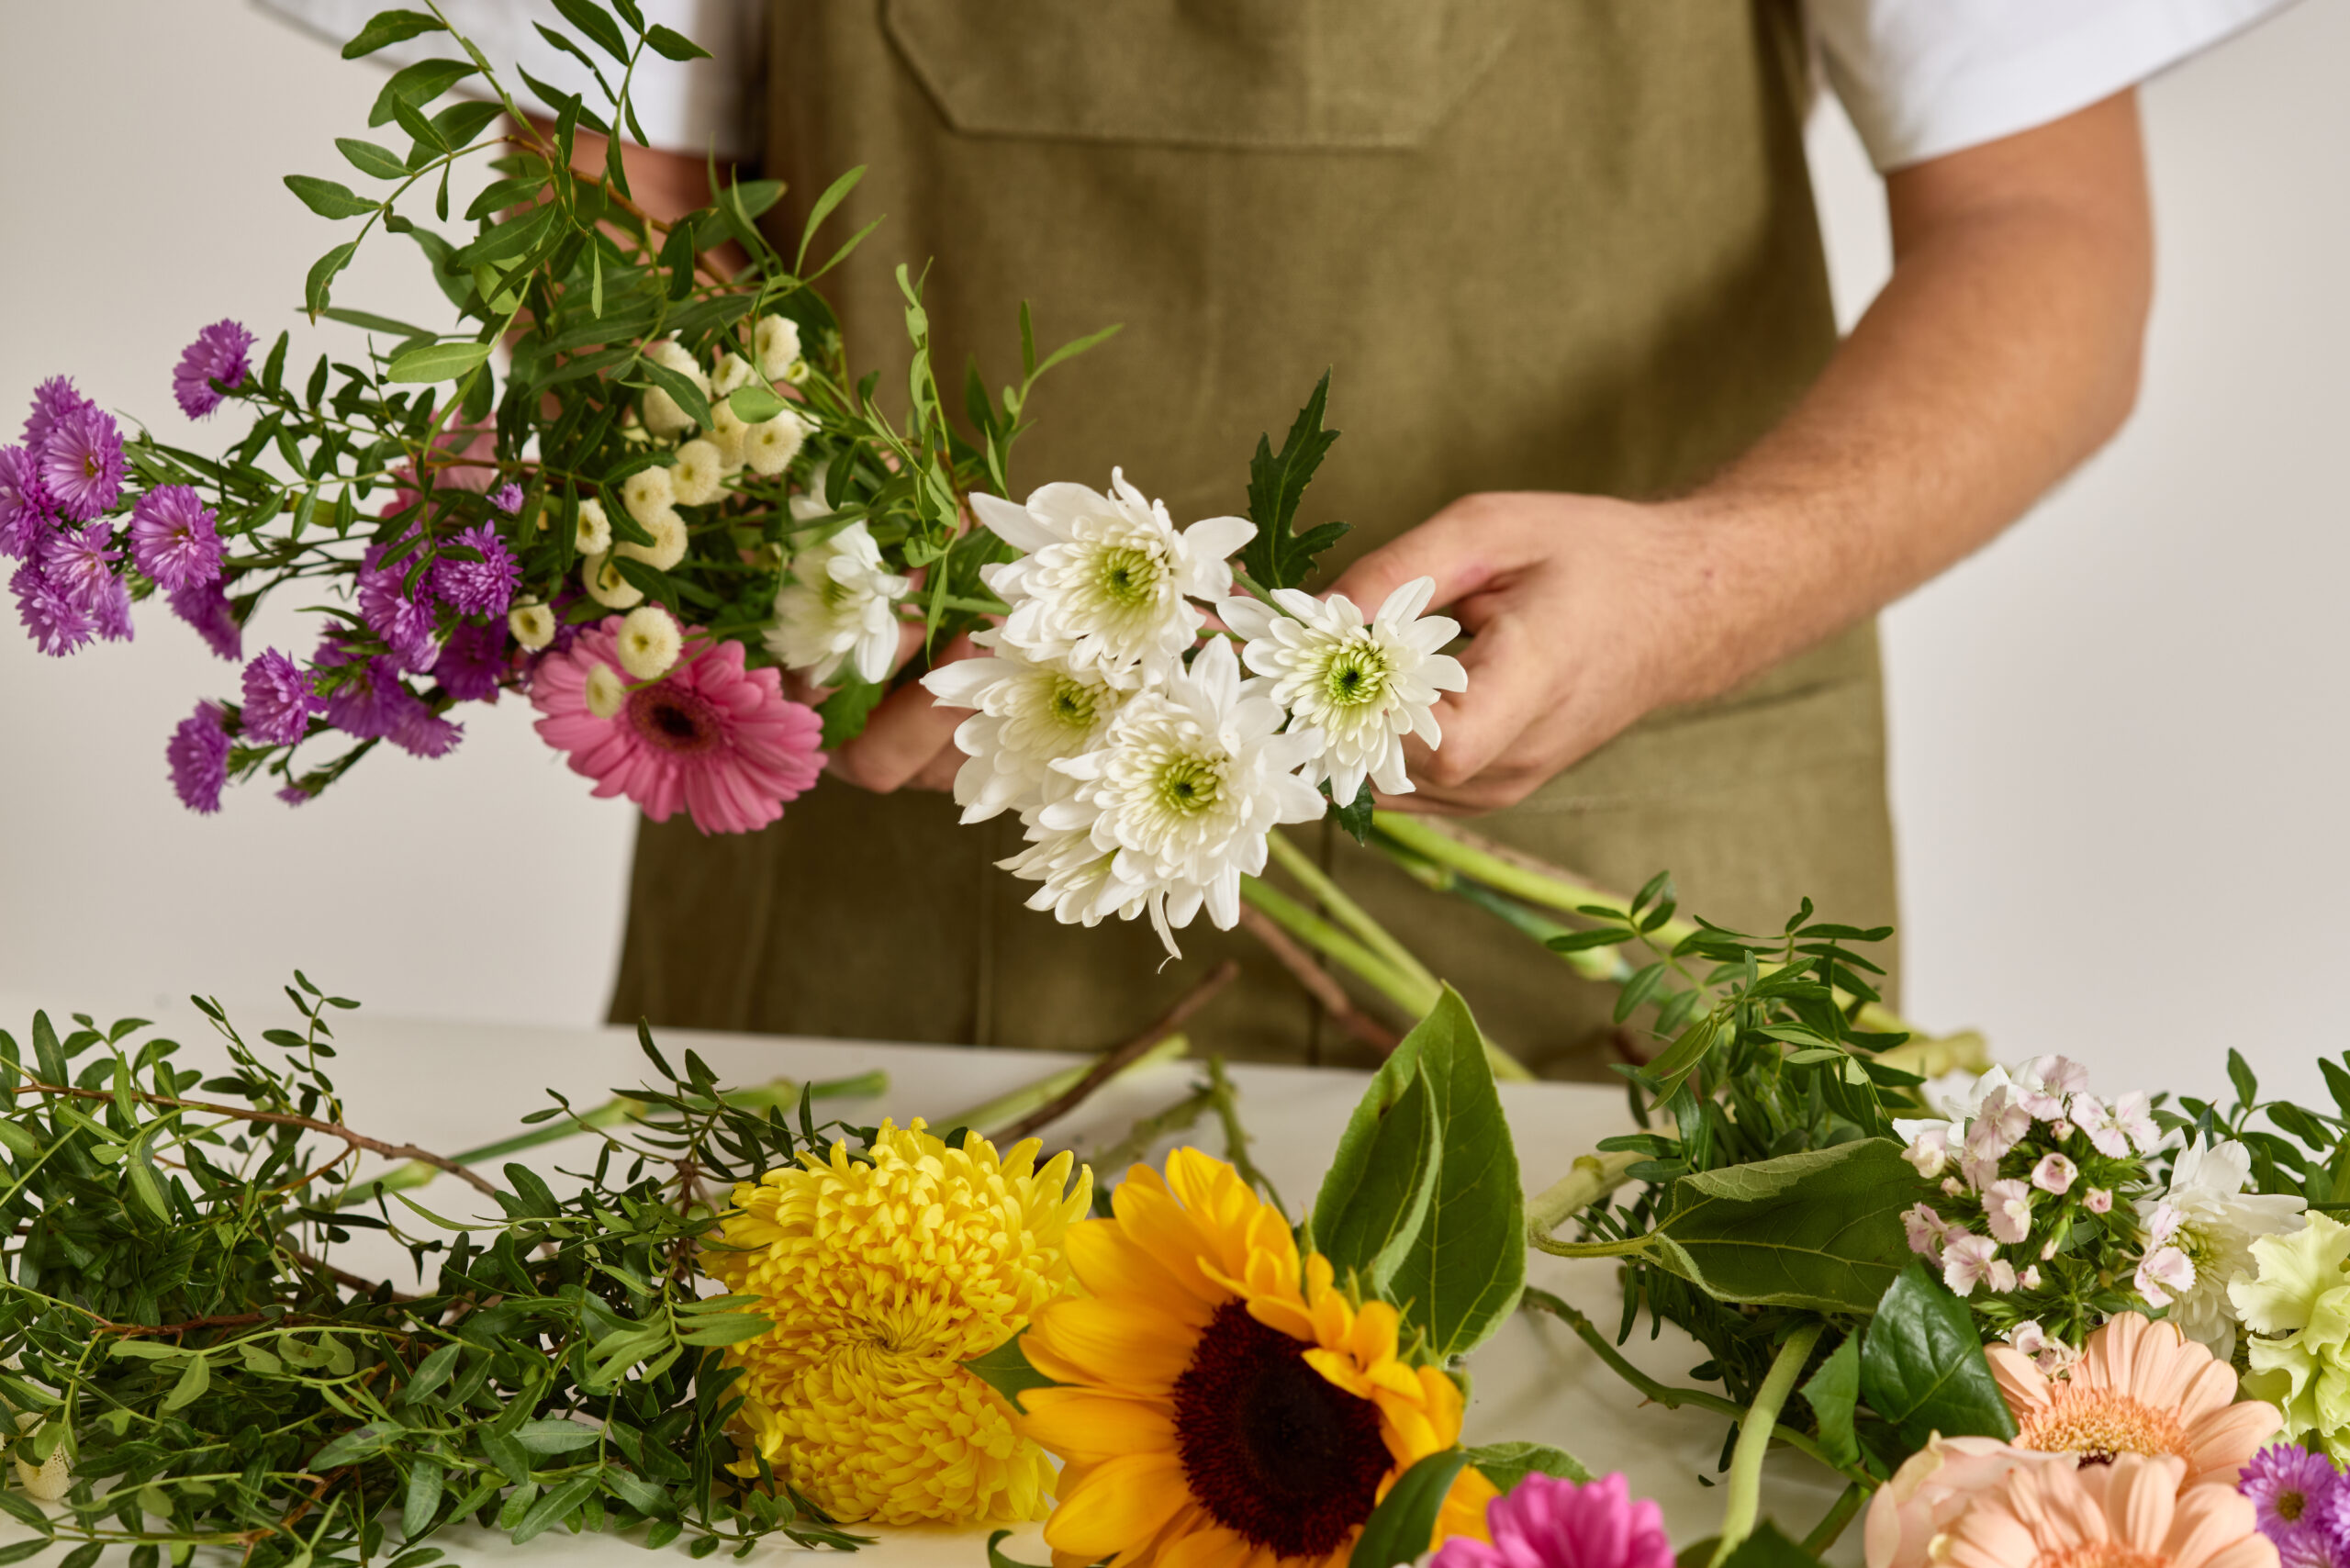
column 1545, row 244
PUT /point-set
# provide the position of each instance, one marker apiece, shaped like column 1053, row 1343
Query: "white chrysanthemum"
column 1365, row 686
column 1078, row 881
column 1029, row 716
column 732, row 373
column 1105, row 582
column 532, row 625
column 2212, row 1222
column 592, row 534
column 601, row 576
column 606, row 693
column 647, row 493
column 1188, row 780
column 839, row 602
column 770, row 445
column 694, row 480
column 662, row 414
column 775, row 341
column 668, row 546
column 727, row 432
column 649, row 643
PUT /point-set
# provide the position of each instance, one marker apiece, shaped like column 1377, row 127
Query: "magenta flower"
column 112, row 612
column 81, row 463
column 478, row 588
column 473, row 662
column 218, row 354
column 1548, row 1523
column 198, row 754
column 2296, row 1499
column 174, row 538
column 56, row 625
column 79, row 564
column 379, row 706
column 23, row 503
column 425, row 733
column 53, row 400
column 205, row 607
column 508, row 498
column 403, row 621
column 280, row 696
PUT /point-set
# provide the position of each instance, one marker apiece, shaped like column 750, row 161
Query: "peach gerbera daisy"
column 2133, row 1512
column 1223, row 1403
column 2138, row 1387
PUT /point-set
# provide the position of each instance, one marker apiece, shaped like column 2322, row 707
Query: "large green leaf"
column 1463, row 1274
column 1402, row 1527
column 1766, row 1548
column 1279, row 556
column 436, row 362
column 1506, row 1465
column 1820, row 1230
column 1832, row 1392
column 1374, row 1200
column 1922, row 1366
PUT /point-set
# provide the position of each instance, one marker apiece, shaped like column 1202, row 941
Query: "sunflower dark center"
column 672, row 719
column 1272, row 1450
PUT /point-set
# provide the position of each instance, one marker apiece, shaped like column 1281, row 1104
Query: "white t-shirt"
column 1920, row 78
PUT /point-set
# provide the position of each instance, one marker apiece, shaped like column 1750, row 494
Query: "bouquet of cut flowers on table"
column 677, row 493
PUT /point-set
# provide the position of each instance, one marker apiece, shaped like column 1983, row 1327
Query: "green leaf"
column 1278, row 556
column 2239, row 1074
column 360, row 1442
column 147, row 1184
column 369, row 158
column 327, row 199
column 1005, row 1368
column 552, row 1434
column 1355, row 815
column 436, row 362
column 1463, row 1274
column 19, row 1552
column 688, row 396
column 418, row 84
column 431, row 1373
column 671, row 45
column 836, row 192
column 851, row 704
column 1506, row 1465
column 1820, row 1230
column 26, row 1512
column 1404, row 1526
column 1767, row 1548
column 17, row 1141
column 996, row 1559
column 375, row 323
column 190, row 1386
column 1922, row 1366
column 556, row 1506
column 385, row 27
column 1374, row 1200
column 424, row 1483
column 1832, row 1392
column 593, row 21
column 754, row 404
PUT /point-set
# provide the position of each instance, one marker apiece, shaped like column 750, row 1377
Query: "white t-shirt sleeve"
column 1922, row 78
column 684, row 107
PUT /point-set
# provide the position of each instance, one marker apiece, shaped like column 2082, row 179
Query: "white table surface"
column 448, row 1086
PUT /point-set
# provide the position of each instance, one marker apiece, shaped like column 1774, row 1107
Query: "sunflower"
column 1223, row 1405
column 883, row 1275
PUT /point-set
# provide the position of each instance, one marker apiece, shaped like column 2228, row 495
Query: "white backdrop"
column 2120, row 735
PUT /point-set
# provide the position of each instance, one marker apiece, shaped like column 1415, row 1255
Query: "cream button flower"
column 601, row 576
column 732, row 373
column 606, row 693
column 648, row 492
column 531, row 624
column 728, row 433
column 1104, row 583
column 662, row 414
column 776, row 340
column 592, row 534
column 770, row 445
column 649, row 643
column 694, row 480
column 668, row 546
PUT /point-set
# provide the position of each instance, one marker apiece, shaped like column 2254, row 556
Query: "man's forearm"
column 2004, row 351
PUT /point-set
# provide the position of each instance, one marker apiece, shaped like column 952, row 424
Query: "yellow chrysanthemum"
column 881, row 1278
column 1224, row 1405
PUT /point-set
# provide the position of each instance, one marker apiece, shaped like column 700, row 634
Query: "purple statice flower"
column 53, row 400
column 198, row 754
column 79, row 563
column 508, row 498
column 218, row 354
column 24, row 502
column 2296, row 1499
column 81, row 463
column 280, row 696
column 1545, row 1522
column 112, row 612
column 56, row 623
column 473, row 662
column 205, row 607
column 478, row 588
column 175, row 537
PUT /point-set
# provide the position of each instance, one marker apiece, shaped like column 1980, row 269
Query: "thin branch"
column 275, row 1118
column 1107, row 1066
column 1319, row 982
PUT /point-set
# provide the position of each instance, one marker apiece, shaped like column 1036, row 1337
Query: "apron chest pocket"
column 1230, row 73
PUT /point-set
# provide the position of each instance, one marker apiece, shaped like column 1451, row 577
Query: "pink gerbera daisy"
column 710, row 735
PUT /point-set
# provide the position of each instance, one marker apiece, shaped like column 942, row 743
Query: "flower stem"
column 1349, row 914
column 1823, row 1534
column 1754, row 1433
column 1006, row 1109
column 1590, row 1179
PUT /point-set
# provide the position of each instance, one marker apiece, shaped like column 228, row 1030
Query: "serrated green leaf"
column 1278, row 556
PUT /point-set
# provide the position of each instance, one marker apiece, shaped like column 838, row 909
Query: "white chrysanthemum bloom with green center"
column 2212, row 1222
column 662, row 416
column 1030, row 715
column 839, row 601
column 1078, row 882
column 1189, row 778
column 1364, row 685
column 1104, row 584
